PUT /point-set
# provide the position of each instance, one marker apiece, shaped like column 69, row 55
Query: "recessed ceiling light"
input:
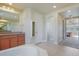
column 54, row 6
column 69, row 11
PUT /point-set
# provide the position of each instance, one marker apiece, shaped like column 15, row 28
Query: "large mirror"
column 8, row 17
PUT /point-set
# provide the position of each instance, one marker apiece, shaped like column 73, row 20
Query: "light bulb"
column 3, row 6
column 69, row 11
column 10, row 3
column 54, row 6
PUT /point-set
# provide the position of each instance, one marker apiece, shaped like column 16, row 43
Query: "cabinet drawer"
column 21, row 40
column 13, row 42
column 4, row 44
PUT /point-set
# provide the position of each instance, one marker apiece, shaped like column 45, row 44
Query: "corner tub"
column 24, row 50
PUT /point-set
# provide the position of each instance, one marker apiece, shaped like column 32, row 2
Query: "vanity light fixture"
column 9, row 9
column 2, row 20
column 3, row 6
column 10, row 3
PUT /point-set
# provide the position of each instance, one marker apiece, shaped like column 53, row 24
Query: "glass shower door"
column 72, row 29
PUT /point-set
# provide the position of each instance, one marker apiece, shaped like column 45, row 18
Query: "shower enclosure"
column 71, row 27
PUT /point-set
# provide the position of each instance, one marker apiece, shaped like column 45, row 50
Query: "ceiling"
column 42, row 7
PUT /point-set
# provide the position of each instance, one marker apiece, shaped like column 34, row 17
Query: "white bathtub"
column 24, row 50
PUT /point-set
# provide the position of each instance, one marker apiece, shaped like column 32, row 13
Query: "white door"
column 51, row 29
column 38, row 31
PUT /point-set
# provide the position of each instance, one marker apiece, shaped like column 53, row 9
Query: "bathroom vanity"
column 11, row 39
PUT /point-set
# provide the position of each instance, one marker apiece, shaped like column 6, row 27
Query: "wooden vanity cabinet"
column 4, row 44
column 9, row 41
column 13, row 41
column 21, row 39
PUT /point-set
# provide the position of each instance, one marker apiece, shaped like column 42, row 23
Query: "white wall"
column 25, row 25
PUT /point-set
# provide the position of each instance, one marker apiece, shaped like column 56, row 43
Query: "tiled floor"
column 59, row 50
column 71, row 43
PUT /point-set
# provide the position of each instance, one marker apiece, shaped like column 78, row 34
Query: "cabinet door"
column 4, row 44
column 13, row 41
column 21, row 39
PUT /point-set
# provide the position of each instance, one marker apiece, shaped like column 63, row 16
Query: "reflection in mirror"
column 3, row 23
column 8, row 22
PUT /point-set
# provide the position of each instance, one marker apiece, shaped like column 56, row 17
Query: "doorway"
column 51, row 30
